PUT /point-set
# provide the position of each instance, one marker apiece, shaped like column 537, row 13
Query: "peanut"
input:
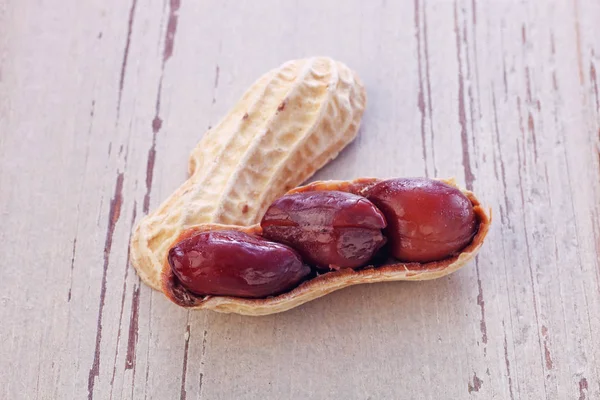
column 233, row 263
column 382, row 267
column 428, row 220
column 330, row 229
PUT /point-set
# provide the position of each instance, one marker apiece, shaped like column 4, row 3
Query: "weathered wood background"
column 101, row 102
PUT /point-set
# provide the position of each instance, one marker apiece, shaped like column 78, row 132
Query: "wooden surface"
column 101, row 102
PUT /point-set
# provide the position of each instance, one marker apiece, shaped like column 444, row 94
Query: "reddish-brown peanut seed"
column 233, row 263
column 328, row 228
column 428, row 220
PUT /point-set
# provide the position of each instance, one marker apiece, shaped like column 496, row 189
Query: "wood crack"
column 583, row 388
column 462, row 117
column 507, row 363
column 169, row 44
column 125, row 56
column 72, row 268
column 113, row 217
column 124, row 291
column 421, row 94
column 481, row 304
column 183, row 392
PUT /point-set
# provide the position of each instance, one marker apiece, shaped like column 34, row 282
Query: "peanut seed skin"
column 330, row 229
column 428, row 220
column 233, row 263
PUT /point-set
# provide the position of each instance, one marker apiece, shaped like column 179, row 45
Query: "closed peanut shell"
column 289, row 123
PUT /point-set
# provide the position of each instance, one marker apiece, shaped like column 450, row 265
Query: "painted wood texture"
column 102, row 101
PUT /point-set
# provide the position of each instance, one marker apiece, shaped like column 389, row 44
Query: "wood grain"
column 102, row 101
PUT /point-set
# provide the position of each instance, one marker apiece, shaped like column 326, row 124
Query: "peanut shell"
column 390, row 270
column 288, row 124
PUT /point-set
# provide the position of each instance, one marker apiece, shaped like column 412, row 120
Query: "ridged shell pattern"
column 291, row 122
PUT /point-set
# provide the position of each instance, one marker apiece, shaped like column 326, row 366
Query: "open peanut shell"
column 320, row 285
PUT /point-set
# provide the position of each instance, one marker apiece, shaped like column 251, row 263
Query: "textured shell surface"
column 298, row 117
